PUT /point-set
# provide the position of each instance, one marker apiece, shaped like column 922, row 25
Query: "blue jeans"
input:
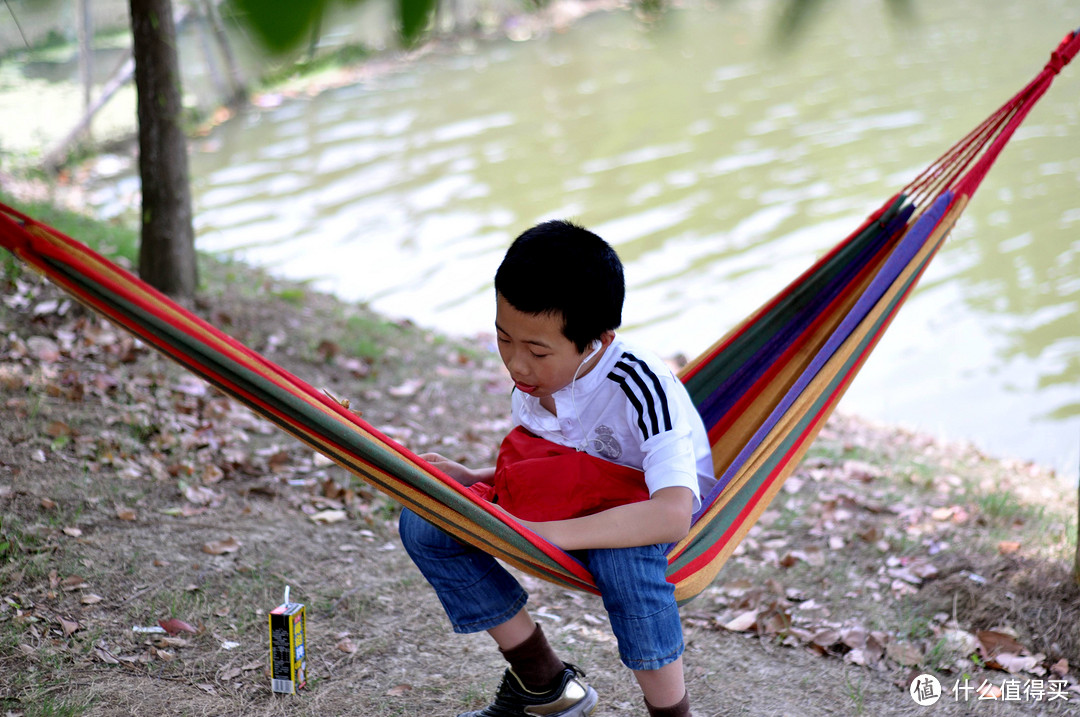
column 478, row 593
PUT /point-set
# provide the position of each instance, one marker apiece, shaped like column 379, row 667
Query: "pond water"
column 720, row 159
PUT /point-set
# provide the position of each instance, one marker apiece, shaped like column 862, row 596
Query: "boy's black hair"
column 563, row 269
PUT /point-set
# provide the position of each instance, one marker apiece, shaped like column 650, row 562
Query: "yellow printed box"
column 288, row 664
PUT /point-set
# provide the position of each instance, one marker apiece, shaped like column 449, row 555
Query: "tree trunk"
column 1076, row 561
column 167, row 250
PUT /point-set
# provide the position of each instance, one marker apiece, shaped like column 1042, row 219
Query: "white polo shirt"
column 632, row 410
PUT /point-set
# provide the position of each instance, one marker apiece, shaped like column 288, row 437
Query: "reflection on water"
column 720, row 168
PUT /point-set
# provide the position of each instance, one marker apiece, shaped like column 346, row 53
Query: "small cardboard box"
column 288, row 655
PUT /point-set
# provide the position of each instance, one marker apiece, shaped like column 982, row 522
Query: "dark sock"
column 679, row 709
column 534, row 662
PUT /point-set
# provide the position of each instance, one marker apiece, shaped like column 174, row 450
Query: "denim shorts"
column 478, row 593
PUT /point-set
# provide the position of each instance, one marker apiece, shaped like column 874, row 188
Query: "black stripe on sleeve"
column 628, row 374
column 661, row 396
column 621, row 380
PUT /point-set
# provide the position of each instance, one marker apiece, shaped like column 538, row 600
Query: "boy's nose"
column 516, row 365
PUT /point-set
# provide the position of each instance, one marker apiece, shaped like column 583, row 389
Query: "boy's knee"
column 414, row 530
column 632, row 580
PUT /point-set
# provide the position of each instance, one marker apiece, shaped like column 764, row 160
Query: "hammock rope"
column 764, row 390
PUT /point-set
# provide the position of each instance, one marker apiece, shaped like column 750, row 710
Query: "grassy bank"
column 131, row 493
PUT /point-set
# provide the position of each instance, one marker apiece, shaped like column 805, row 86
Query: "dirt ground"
column 132, row 493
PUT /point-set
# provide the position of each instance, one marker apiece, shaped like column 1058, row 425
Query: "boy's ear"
column 606, row 338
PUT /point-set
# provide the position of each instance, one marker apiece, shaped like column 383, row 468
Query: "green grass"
column 939, row 657
column 1004, row 507
column 856, row 692
column 368, row 336
column 293, row 295
column 38, row 705
column 108, row 238
column 16, row 544
column 10, row 267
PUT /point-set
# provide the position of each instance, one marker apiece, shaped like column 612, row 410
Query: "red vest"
column 538, row 480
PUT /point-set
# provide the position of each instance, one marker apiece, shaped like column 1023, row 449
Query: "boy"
column 608, row 458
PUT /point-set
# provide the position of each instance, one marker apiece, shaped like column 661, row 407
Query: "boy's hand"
column 464, row 476
column 451, row 468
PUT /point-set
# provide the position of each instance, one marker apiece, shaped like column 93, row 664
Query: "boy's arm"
column 664, row 518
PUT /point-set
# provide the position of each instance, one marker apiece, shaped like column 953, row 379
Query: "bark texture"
column 167, row 250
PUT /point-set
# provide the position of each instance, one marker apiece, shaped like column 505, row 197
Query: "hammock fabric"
column 764, row 390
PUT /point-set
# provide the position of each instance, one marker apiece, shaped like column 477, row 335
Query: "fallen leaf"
column 943, row 514
column 788, row 560
column 105, row 656
column 175, row 627
column 409, row 388
column 220, row 547
column 960, row 641
column 72, row 583
column 56, row 429
column 993, row 643
column 212, row 474
column 230, row 674
column 347, row 646
column 826, row 638
column 43, row 349
column 857, row 656
column 1016, row 663
column 398, row 690
column 68, row 626
column 328, row 350
column 1008, row 547
column 854, row 637
column 904, row 653
column 923, row 569
column 48, row 306
column 48, row 504
column 191, row 386
column 91, row 599
column 164, row 642
column 201, row 495
column 124, row 513
column 741, row 622
column 329, row 516
column 72, row 532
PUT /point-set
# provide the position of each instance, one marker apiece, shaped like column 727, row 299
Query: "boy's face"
column 540, row 359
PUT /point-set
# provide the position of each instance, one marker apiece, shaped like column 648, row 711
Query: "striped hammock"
column 764, row 390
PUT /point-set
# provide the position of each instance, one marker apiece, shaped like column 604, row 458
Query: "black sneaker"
column 569, row 698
